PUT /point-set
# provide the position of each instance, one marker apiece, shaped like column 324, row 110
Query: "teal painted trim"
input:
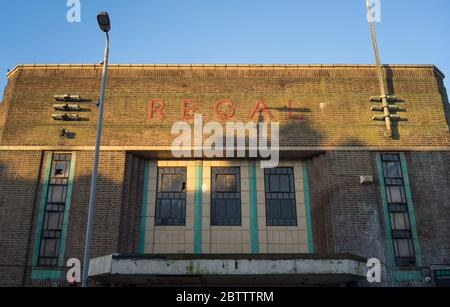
column 408, row 275
column 198, row 208
column 40, row 221
column 307, row 207
column 66, row 212
column 254, row 236
column 38, row 274
column 387, row 219
column 144, row 209
column 400, row 275
column 412, row 216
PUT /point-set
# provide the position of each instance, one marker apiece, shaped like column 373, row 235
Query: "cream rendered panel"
column 226, row 239
column 282, row 239
column 170, row 239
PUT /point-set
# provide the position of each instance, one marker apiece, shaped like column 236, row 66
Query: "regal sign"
column 224, row 109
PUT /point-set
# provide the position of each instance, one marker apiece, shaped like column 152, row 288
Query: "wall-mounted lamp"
column 380, row 109
column 66, row 117
column 383, row 117
column 67, row 97
column 66, row 133
column 389, row 98
column 67, row 107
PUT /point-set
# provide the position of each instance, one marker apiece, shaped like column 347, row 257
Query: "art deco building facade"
column 342, row 193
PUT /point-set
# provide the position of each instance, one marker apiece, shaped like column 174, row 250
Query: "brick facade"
column 332, row 99
column 335, row 137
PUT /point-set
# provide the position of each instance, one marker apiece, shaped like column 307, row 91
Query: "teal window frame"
column 52, row 273
column 400, row 273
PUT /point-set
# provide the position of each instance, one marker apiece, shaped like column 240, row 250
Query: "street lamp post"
column 384, row 98
column 105, row 26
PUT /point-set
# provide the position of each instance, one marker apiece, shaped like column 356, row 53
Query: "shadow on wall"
column 19, row 215
column 296, row 131
column 391, row 91
column 352, row 142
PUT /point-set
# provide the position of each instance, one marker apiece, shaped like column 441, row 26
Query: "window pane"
column 390, row 157
column 49, row 248
column 166, row 185
column 165, row 208
column 396, row 194
column 172, row 183
column 176, row 209
column 220, row 208
column 286, row 209
column 280, row 183
column 231, row 183
column 274, row 209
column 56, row 194
column 400, row 221
column 171, row 197
column 280, row 201
column 404, row 248
column 285, row 185
column 225, row 196
column 274, row 184
column 393, row 170
column 53, row 221
column 225, row 183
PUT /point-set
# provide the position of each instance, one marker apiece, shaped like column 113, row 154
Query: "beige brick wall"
column 224, row 239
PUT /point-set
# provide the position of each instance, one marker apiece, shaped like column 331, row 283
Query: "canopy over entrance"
column 223, row 270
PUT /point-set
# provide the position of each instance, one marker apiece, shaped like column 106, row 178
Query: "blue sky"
column 225, row 31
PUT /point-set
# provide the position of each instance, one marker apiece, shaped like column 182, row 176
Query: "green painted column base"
column 38, row 274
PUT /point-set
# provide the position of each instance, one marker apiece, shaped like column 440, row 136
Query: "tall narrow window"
column 54, row 211
column 171, row 197
column 225, row 196
column 398, row 210
column 280, row 197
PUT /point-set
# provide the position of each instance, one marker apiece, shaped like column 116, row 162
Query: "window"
column 50, row 242
column 172, row 183
column 280, row 197
column 171, row 197
column 225, row 196
column 398, row 210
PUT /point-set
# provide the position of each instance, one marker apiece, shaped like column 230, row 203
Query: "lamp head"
column 104, row 22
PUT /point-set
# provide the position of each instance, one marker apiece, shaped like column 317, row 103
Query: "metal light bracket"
column 67, row 107
column 66, row 117
column 68, row 98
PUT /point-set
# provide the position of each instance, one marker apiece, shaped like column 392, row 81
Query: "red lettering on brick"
column 292, row 116
column 227, row 111
column 160, row 105
column 261, row 107
column 189, row 106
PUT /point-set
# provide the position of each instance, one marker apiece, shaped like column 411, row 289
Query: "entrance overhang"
column 228, row 270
